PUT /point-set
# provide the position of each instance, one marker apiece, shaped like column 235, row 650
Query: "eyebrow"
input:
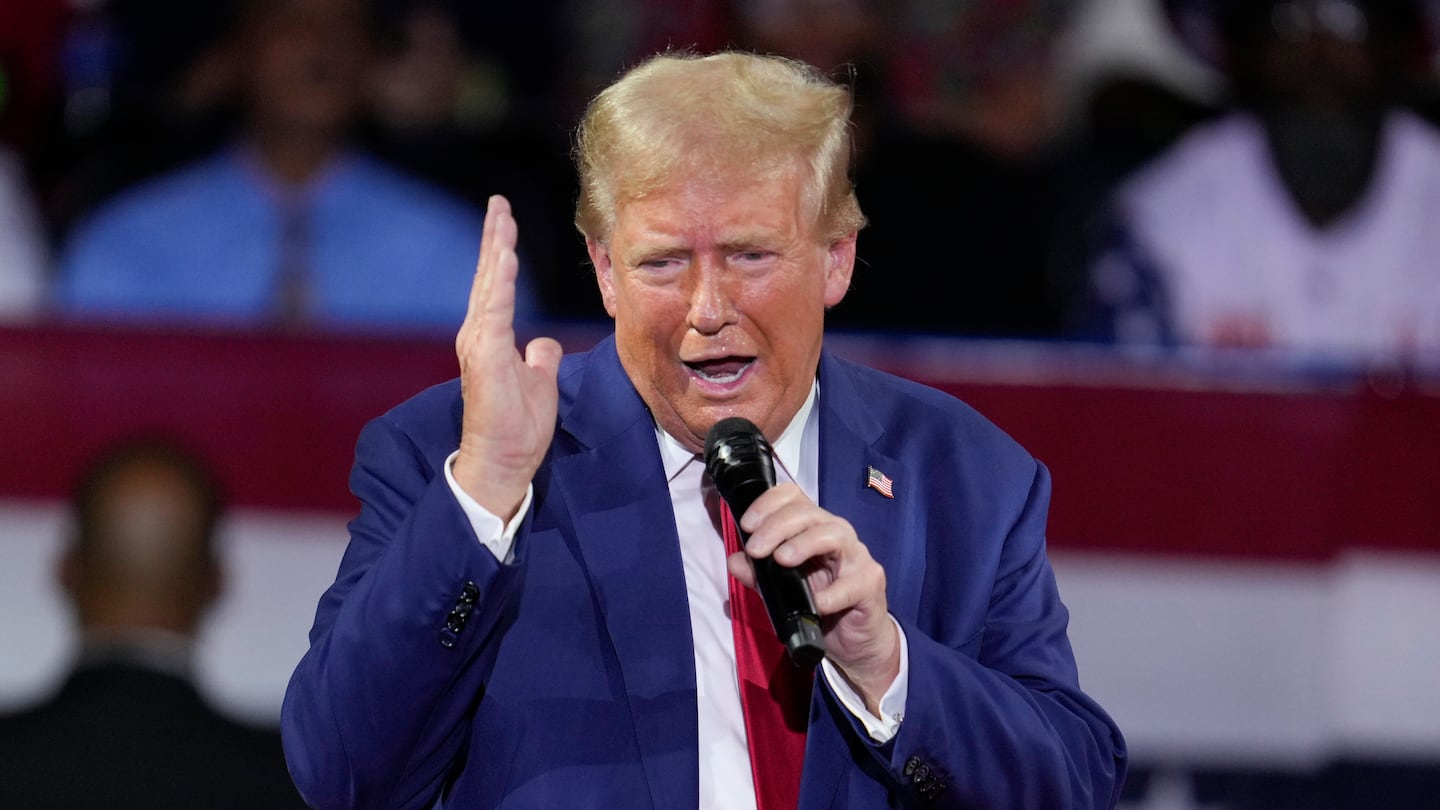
column 659, row 245
column 765, row 239
column 654, row 250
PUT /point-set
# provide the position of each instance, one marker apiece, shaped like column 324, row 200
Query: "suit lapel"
column 849, row 446
column 614, row 487
column 849, row 437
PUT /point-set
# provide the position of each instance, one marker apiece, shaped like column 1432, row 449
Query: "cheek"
column 652, row 321
column 794, row 305
column 662, row 308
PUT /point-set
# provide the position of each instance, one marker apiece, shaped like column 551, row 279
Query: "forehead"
column 719, row 203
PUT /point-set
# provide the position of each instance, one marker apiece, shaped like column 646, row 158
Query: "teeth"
column 721, row 378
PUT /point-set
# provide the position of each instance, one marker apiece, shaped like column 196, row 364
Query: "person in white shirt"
column 1303, row 220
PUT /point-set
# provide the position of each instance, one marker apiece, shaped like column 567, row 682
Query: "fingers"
column 846, row 583
column 739, row 566
column 492, row 292
column 859, row 586
column 486, row 260
column 785, row 524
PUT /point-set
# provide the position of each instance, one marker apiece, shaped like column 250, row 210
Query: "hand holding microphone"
column 859, row 636
column 738, row 460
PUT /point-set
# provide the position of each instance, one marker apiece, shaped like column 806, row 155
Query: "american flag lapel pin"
column 880, row 482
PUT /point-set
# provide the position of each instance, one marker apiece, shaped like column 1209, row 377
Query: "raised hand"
column 848, row 584
column 510, row 401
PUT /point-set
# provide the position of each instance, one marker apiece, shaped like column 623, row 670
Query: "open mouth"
column 721, row 370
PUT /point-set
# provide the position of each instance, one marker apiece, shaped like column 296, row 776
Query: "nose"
column 712, row 306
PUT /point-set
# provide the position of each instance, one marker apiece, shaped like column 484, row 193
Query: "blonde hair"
column 731, row 111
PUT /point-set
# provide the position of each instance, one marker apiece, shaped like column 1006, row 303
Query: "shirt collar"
column 149, row 647
column 788, row 447
column 247, row 158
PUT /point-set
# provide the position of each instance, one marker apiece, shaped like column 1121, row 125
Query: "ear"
column 604, row 272
column 840, row 266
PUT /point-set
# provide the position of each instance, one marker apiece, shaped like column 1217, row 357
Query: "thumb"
column 741, row 568
column 544, row 354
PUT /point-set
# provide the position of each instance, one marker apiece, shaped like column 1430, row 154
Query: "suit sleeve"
column 378, row 709
column 1000, row 720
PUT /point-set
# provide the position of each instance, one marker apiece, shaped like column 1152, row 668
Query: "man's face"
column 718, row 286
column 308, row 63
column 1318, row 56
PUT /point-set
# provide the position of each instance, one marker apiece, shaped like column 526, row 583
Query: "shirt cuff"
column 892, row 704
column 492, row 533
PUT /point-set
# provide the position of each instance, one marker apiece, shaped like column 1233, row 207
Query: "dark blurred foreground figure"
column 1303, row 220
column 128, row 729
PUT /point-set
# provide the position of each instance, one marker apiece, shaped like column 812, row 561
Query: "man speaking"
column 544, row 603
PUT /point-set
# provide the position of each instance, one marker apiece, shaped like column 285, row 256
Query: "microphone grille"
column 734, row 434
column 737, row 457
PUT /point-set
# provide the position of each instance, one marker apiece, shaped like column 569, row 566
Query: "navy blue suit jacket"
column 566, row 678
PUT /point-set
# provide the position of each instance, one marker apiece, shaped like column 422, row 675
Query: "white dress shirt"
column 725, row 779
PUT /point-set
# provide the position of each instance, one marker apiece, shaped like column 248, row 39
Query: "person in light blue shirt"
column 358, row 245
column 287, row 225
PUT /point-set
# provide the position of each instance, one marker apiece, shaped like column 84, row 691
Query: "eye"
column 754, row 257
column 659, row 270
column 659, row 264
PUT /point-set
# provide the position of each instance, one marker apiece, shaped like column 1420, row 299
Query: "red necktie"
column 774, row 693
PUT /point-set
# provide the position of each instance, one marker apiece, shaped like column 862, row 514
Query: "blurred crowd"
column 1228, row 173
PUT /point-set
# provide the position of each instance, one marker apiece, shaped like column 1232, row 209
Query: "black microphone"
column 738, row 460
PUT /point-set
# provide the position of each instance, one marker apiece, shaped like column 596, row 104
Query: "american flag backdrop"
column 1250, row 553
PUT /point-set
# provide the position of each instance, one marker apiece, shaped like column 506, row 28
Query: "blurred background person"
column 954, row 160
column 1304, row 219
column 450, row 104
column 128, row 728
column 24, row 248
column 288, row 223
column 1126, row 90
column 125, row 101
